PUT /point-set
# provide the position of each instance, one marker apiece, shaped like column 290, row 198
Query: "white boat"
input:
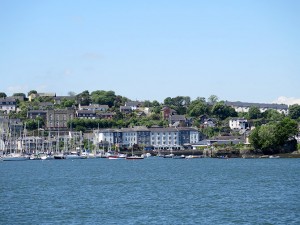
column 274, row 157
column 147, row 155
column 73, row 155
column 15, row 157
column 169, row 155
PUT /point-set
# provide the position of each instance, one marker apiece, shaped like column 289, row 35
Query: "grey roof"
column 163, row 129
column 107, row 114
column 8, row 99
column 133, row 103
column 178, row 118
column 135, row 129
column 86, row 111
column 95, row 106
column 187, row 129
column 259, row 105
column 125, row 107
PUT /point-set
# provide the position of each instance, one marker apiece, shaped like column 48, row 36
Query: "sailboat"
column 58, row 155
column 13, row 156
column 134, row 156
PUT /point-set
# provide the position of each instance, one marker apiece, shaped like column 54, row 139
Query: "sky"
column 149, row 50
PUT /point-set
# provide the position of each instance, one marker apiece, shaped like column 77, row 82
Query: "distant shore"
column 229, row 154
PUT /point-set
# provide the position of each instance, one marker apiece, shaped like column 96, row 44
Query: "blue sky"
column 151, row 50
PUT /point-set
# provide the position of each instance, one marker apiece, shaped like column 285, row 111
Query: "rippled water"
column 151, row 191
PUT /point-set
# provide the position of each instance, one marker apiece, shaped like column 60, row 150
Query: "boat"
column 179, row 157
column 274, row 157
column 249, row 156
column 35, row 157
column 134, row 157
column 15, row 157
column 59, row 156
column 169, row 156
column 147, row 155
column 193, row 157
column 117, row 156
column 113, row 157
column 73, row 155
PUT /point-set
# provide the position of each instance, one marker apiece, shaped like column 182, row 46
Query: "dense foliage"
column 272, row 137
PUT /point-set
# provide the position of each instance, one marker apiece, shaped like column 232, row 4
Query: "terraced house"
column 157, row 137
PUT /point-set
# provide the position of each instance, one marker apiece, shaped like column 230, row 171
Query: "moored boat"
column 15, row 157
column 73, row 155
column 274, row 157
column 134, row 157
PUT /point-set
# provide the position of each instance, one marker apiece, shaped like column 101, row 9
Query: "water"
column 151, row 191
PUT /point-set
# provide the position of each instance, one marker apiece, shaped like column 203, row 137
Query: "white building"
column 159, row 138
column 164, row 137
column 129, row 136
column 8, row 105
column 238, row 124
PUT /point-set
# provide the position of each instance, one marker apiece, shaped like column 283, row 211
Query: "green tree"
column 272, row 115
column 294, row 111
column 155, row 103
column 67, row 103
column 273, row 136
column 223, row 111
column 84, row 98
column 103, row 97
column 3, row 95
column 213, row 99
column 254, row 113
column 267, row 136
column 198, row 109
column 32, row 92
column 285, row 130
column 19, row 94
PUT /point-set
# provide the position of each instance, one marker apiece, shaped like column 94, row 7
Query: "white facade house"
column 104, row 136
column 238, row 124
column 129, row 137
column 158, row 137
column 194, row 136
column 164, row 137
column 8, row 105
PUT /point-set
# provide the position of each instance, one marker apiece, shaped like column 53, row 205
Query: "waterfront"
column 151, row 191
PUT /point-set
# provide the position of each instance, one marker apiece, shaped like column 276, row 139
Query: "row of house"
column 245, row 106
column 157, row 137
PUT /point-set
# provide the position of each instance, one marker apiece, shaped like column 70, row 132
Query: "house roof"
column 85, row 112
column 178, row 118
column 125, row 107
column 187, row 129
column 133, row 103
column 163, row 129
column 8, row 99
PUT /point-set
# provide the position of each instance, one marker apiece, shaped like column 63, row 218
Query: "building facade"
column 159, row 138
column 8, row 105
column 238, row 124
